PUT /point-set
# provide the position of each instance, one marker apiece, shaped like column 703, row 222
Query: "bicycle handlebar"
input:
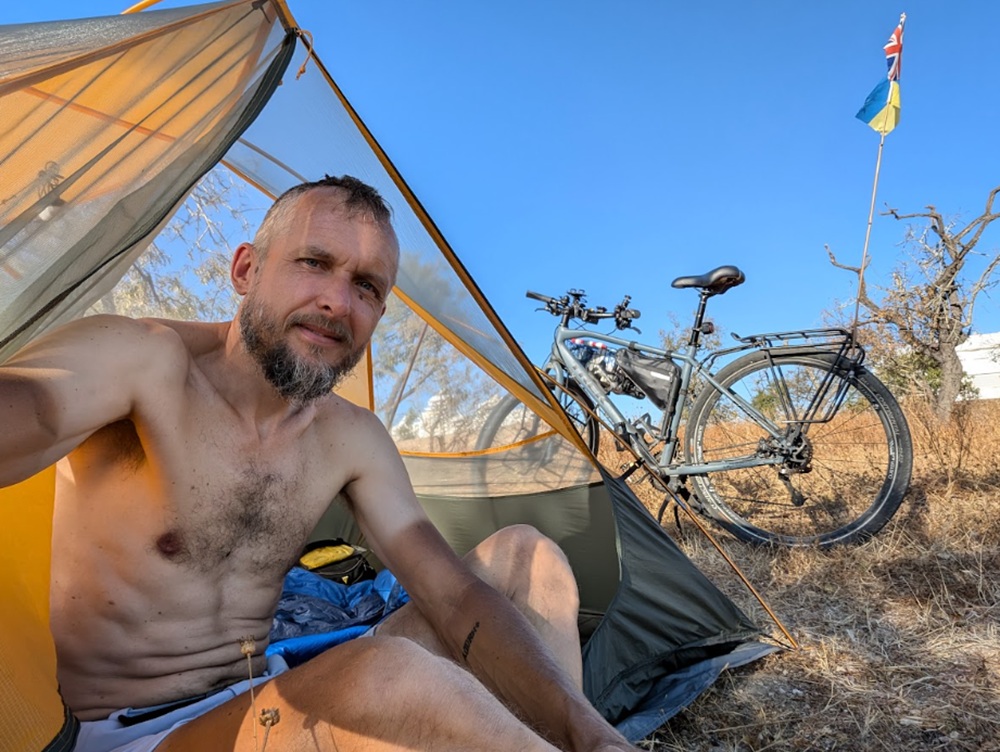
column 571, row 305
column 538, row 296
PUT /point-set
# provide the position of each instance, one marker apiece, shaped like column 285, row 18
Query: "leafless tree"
column 927, row 308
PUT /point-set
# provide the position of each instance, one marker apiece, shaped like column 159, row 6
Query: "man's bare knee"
column 518, row 559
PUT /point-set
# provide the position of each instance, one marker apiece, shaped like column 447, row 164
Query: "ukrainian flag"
column 881, row 109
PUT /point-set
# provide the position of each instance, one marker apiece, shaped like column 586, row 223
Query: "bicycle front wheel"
column 837, row 480
column 511, row 422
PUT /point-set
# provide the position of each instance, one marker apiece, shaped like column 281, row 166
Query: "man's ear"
column 243, row 266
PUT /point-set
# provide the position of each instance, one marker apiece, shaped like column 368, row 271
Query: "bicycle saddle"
column 714, row 282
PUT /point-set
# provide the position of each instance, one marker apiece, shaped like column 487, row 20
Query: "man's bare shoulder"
column 67, row 384
column 197, row 337
column 131, row 355
column 103, row 338
column 355, row 432
column 338, row 415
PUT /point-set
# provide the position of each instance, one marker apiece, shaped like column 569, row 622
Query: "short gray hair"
column 357, row 198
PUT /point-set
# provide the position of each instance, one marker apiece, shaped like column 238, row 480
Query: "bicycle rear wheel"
column 837, row 481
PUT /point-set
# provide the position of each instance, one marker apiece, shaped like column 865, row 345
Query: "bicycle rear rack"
column 835, row 342
column 839, row 341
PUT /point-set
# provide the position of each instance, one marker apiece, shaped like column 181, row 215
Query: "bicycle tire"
column 860, row 461
column 512, row 418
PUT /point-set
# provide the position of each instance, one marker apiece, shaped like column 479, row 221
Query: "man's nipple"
column 170, row 544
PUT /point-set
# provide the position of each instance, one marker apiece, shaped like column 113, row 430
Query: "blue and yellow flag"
column 881, row 109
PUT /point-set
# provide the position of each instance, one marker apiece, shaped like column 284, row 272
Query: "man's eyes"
column 366, row 285
column 370, row 287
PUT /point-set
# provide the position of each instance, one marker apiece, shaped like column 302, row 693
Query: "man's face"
column 314, row 301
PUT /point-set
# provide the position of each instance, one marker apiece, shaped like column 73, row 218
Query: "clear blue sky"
column 615, row 145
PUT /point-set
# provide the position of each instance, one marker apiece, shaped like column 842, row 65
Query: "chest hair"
column 256, row 521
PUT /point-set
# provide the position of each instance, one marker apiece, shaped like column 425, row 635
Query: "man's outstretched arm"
column 64, row 386
column 479, row 626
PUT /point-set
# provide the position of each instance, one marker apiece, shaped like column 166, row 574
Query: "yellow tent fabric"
column 31, row 710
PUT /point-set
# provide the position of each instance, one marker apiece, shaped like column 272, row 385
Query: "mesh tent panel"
column 98, row 152
column 283, row 147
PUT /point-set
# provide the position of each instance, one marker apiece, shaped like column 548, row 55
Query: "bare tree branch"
column 928, row 302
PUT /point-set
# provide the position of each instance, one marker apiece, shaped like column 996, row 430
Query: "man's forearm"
column 504, row 651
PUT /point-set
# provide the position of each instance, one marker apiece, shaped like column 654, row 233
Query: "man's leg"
column 369, row 695
column 534, row 574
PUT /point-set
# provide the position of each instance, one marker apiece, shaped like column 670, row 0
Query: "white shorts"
column 126, row 731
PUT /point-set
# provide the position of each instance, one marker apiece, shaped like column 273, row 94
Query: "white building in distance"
column 980, row 356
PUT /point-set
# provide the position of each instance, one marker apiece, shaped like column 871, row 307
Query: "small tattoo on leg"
column 468, row 642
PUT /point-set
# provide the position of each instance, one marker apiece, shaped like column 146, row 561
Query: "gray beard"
column 296, row 379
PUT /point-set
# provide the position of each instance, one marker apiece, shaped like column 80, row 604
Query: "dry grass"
column 899, row 638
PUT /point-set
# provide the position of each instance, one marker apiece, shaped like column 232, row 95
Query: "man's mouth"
column 324, row 333
column 320, row 333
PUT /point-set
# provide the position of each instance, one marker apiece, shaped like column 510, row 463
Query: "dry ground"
column 899, row 639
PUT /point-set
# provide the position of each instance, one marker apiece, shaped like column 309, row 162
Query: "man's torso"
column 171, row 537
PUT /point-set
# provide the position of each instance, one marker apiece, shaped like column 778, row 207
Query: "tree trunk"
column 952, row 375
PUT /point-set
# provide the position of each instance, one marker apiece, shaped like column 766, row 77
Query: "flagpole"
column 868, row 235
column 894, row 53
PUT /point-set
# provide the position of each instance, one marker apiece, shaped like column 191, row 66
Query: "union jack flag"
column 894, row 50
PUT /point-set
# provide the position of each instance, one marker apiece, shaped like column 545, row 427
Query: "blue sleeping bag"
column 315, row 613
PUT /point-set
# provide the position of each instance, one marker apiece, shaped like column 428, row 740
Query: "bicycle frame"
column 562, row 361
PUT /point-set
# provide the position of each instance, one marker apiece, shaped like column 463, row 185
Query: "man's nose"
column 335, row 297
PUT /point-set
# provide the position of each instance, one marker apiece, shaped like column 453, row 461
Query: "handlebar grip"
column 538, row 296
column 632, row 313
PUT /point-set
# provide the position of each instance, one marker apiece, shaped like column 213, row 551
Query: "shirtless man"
column 194, row 461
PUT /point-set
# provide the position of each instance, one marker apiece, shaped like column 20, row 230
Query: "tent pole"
column 141, row 5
